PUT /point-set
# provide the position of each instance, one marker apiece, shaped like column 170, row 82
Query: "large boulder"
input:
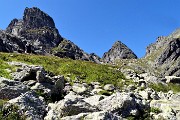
column 94, row 100
column 30, row 72
column 10, row 89
column 29, row 105
column 102, row 115
column 71, row 105
column 169, row 109
column 80, row 88
column 123, row 104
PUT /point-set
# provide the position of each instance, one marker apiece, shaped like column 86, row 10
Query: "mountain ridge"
column 44, row 76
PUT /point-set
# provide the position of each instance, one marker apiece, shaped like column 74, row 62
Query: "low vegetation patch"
column 82, row 71
column 165, row 88
column 155, row 110
column 4, row 67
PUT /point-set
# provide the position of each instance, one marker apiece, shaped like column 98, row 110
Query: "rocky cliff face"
column 11, row 43
column 69, row 50
column 37, row 28
column 118, row 51
column 40, row 35
column 165, row 54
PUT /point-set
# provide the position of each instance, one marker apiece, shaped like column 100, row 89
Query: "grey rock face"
column 38, row 29
column 71, row 105
column 171, row 52
column 11, row 89
column 120, row 103
column 11, row 43
column 30, row 105
column 165, row 53
column 102, row 115
column 94, row 58
column 118, row 51
column 35, row 18
column 68, row 49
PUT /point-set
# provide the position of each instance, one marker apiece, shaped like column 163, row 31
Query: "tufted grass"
column 82, row 71
column 4, row 67
column 165, row 88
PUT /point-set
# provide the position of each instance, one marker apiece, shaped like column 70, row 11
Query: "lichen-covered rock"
column 109, row 87
column 29, row 105
column 79, row 88
column 10, row 89
column 102, row 115
column 123, row 104
column 169, row 108
column 71, row 105
column 94, row 100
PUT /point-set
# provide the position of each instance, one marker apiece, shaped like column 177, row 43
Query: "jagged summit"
column 35, row 18
column 38, row 28
column 118, row 51
column 40, row 35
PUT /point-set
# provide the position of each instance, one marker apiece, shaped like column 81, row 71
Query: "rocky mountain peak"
column 35, row 18
column 118, row 51
column 38, row 29
column 175, row 34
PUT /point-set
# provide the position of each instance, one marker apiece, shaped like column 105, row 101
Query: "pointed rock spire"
column 118, row 51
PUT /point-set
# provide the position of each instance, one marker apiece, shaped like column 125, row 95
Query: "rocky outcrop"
column 68, row 49
column 29, row 105
column 11, row 89
column 38, row 29
column 165, row 53
column 11, row 43
column 118, row 51
column 37, row 79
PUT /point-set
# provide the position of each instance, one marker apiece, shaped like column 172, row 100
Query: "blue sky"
column 94, row 25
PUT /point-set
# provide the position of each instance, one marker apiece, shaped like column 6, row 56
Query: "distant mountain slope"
column 36, row 33
column 118, row 51
column 69, row 50
column 165, row 54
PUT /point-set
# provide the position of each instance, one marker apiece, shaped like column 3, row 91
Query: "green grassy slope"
column 75, row 69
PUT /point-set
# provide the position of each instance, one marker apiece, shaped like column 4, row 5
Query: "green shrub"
column 174, row 87
column 165, row 87
column 155, row 110
column 159, row 87
column 105, row 92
